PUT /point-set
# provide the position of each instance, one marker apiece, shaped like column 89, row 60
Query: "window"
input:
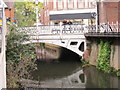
column 47, row 12
column 70, row 4
column 45, row 3
column 81, row 3
column 60, row 6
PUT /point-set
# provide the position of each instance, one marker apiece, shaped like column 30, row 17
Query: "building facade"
column 77, row 11
column 9, row 12
column 109, row 12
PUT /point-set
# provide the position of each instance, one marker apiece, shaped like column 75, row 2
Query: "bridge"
column 71, row 37
column 67, row 36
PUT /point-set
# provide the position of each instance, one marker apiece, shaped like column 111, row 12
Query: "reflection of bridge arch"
column 76, row 79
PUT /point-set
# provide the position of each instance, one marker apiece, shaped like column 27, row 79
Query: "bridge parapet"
column 54, row 29
column 103, row 30
column 71, row 29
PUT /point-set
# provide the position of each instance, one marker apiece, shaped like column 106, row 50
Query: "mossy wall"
column 92, row 52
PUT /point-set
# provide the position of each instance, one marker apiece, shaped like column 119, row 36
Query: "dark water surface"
column 67, row 72
column 70, row 74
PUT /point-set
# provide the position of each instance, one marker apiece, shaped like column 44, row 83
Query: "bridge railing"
column 71, row 29
column 54, row 29
column 103, row 28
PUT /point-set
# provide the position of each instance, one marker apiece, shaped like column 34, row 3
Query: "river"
column 67, row 72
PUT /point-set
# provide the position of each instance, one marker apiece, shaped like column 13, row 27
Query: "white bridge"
column 68, row 36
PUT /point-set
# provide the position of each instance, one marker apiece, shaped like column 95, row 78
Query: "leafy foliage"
column 20, row 58
column 103, row 62
column 25, row 12
column 118, row 73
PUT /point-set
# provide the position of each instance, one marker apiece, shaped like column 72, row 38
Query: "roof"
column 1, row 4
column 9, row 3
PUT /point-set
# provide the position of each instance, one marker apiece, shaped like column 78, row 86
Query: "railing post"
column 112, row 27
column 36, row 2
column 96, row 17
column 108, row 29
column 60, row 30
column 117, row 26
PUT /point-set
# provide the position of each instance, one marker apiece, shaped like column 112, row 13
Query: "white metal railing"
column 70, row 29
column 54, row 29
column 103, row 28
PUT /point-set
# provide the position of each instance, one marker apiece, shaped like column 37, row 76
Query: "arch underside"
column 72, row 45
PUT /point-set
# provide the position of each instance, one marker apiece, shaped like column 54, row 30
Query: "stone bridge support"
column 92, row 51
column 115, row 54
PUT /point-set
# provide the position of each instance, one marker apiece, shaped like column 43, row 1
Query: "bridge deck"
column 112, row 34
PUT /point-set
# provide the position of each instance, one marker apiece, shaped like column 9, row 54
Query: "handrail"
column 70, row 29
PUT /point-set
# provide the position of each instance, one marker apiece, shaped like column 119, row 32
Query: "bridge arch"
column 81, row 47
column 72, row 45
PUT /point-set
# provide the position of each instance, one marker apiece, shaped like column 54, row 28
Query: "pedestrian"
column 69, row 22
column 64, row 22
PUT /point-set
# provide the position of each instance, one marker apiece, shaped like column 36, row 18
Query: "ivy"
column 118, row 73
column 103, row 61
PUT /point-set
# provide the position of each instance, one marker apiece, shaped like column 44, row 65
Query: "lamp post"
column 37, row 21
column 2, row 53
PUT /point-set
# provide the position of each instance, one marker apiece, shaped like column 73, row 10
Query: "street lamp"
column 37, row 21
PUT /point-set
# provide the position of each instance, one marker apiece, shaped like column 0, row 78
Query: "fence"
column 71, row 29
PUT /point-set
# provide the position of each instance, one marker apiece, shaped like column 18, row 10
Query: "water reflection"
column 71, row 81
column 70, row 74
column 60, row 75
column 99, row 79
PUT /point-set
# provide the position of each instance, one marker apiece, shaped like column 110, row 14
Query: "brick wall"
column 45, row 13
column 10, row 13
column 50, row 6
column 109, row 12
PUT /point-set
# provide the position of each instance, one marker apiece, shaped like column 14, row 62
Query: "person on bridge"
column 64, row 22
column 69, row 22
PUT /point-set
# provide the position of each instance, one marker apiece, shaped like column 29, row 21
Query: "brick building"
column 9, row 12
column 78, row 11
column 109, row 11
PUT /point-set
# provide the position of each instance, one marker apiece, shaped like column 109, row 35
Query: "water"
column 70, row 74
column 67, row 72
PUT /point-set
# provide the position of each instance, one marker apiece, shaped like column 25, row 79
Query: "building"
column 77, row 11
column 9, row 12
column 109, row 11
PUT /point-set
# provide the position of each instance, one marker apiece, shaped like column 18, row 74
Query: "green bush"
column 118, row 73
column 103, row 61
column 20, row 58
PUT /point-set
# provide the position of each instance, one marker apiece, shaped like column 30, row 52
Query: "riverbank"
column 104, row 54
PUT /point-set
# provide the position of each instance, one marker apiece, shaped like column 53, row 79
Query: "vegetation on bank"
column 20, row 58
column 103, row 60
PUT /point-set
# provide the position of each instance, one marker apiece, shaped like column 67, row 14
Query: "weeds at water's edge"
column 85, row 63
column 112, row 71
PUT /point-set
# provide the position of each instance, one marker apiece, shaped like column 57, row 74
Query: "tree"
column 20, row 58
column 25, row 12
